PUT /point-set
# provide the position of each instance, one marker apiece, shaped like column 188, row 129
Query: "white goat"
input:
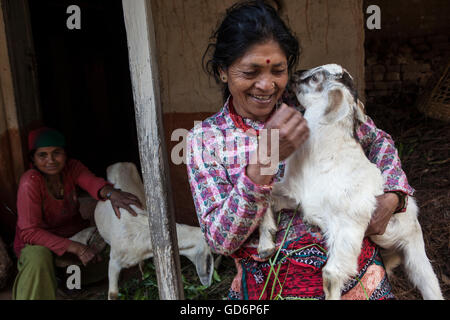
column 129, row 237
column 336, row 186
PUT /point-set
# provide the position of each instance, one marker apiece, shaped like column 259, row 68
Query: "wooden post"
column 153, row 155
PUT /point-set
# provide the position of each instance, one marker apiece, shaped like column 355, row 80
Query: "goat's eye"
column 314, row 79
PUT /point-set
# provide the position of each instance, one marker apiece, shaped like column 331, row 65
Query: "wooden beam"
column 155, row 167
column 23, row 65
column 9, row 122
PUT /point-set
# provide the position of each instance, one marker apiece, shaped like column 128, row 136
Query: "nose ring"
column 274, row 85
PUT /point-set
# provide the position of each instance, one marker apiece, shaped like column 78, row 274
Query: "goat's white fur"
column 336, row 186
column 129, row 237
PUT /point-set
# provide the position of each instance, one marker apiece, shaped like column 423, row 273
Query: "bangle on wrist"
column 401, row 201
column 109, row 193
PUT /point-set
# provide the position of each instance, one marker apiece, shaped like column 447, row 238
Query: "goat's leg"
column 113, row 276
column 391, row 259
column 419, row 268
column 344, row 246
column 267, row 230
column 141, row 268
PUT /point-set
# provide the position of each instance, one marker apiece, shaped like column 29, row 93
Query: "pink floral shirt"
column 230, row 205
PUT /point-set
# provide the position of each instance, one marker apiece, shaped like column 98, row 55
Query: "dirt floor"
column 424, row 148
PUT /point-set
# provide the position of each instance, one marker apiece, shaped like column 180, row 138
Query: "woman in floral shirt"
column 254, row 54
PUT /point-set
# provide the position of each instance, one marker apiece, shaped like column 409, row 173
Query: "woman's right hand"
column 83, row 252
column 293, row 132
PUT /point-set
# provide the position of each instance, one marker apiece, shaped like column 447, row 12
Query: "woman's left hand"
column 121, row 199
column 387, row 203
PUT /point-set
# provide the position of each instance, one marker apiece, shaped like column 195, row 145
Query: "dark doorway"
column 84, row 80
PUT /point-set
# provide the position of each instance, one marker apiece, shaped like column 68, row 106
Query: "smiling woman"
column 48, row 213
column 50, row 160
column 253, row 55
column 257, row 80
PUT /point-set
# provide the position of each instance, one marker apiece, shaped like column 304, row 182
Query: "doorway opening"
column 84, row 80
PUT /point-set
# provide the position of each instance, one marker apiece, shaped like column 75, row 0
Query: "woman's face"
column 257, row 80
column 50, row 160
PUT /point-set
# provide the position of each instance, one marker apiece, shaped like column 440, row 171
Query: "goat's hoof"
column 266, row 252
column 332, row 291
column 113, row 296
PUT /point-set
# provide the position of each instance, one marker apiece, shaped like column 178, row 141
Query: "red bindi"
column 268, row 61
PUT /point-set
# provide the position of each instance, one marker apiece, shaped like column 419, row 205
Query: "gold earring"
column 224, row 78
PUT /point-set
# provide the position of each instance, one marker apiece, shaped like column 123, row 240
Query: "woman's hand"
column 84, row 253
column 121, row 199
column 387, row 203
column 293, row 132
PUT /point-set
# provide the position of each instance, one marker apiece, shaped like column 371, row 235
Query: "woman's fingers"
column 280, row 117
column 124, row 200
column 130, row 198
column 130, row 210
column 116, row 210
column 117, row 205
column 134, row 200
column 296, row 128
column 87, row 255
column 301, row 132
column 293, row 130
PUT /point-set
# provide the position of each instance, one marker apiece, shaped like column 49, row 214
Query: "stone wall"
column 397, row 71
column 413, row 42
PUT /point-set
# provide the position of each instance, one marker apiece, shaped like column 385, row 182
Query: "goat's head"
column 328, row 95
column 125, row 175
column 117, row 171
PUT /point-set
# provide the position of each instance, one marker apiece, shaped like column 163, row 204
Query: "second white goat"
column 129, row 237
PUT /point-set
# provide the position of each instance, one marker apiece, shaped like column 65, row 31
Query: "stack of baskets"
column 435, row 101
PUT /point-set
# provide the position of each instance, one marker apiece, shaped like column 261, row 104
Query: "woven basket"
column 435, row 102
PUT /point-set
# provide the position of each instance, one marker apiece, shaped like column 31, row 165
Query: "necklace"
column 239, row 121
column 56, row 188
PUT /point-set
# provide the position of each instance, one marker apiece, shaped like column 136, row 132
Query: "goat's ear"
column 336, row 109
column 360, row 113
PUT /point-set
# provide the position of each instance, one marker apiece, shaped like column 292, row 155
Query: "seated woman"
column 48, row 213
column 253, row 54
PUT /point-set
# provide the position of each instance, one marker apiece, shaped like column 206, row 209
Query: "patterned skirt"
column 296, row 272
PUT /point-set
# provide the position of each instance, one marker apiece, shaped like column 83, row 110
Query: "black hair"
column 248, row 23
